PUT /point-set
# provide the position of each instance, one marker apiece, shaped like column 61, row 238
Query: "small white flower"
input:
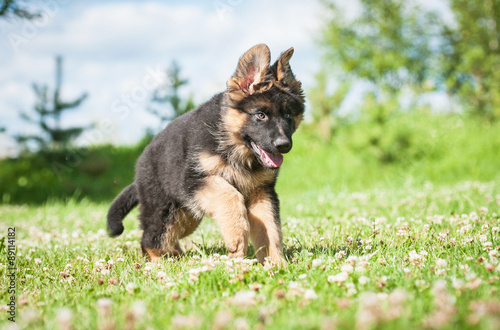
column 244, row 298
column 161, row 275
column 309, row 294
column 38, row 261
column 351, row 289
column 363, row 280
column 339, row 255
column 339, row 278
column 347, row 268
column 420, row 283
column 441, row 263
column 194, row 271
column 317, row 262
column 130, row 287
column 302, row 276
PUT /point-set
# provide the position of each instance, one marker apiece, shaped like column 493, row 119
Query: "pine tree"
column 16, row 8
column 167, row 104
column 49, row 108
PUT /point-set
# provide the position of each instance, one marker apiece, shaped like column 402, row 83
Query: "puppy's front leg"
column 221, row 201
column 265, row 226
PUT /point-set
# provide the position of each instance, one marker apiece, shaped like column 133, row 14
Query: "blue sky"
column 116, row 51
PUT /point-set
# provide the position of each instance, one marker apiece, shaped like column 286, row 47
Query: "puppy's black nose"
column 283, row 144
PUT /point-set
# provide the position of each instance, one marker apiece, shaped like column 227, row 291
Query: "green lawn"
column 388, row 257
column 409, row 243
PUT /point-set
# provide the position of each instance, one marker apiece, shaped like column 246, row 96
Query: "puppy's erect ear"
column 251, row 71
column 283, row 73
column 282, row 69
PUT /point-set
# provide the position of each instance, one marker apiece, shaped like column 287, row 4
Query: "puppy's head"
column 265, row 105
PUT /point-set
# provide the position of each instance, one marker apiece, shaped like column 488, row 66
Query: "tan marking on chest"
column 246, row 182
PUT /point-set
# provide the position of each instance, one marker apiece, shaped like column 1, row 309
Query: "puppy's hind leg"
column 160, row 237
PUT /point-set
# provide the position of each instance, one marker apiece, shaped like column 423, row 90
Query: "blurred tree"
column 16, row 8
column 49, row 108
column 387, row 43
column 471, row 55
column 166, row 102
column 398, row 43
column 325, row 105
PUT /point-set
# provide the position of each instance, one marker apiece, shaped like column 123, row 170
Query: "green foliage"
column 471, row 55
column 49, row 108
column 396, row 43
column 387, row 44
column 166, row 103
column 325, row 104
column 17, row 8
column 403, row 149
column 97, row 173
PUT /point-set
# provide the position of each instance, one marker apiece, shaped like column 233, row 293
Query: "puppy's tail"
column 120, row 207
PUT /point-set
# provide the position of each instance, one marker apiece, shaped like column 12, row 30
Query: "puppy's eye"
column 260, row 115
column 287, row 116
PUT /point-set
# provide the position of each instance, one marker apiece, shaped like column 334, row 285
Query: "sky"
column 117, row 52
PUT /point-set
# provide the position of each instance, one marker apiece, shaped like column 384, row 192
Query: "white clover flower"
column 351, row 260
column 483, row 238
column 339, row 278
column 347, row 268
column 138, row 309
column 420, row 283
column 317, row 262
column 363, row 280
column 244, row 298
column 161, row 275
column 194, row 271
column 104, row 306
column 130, row 287
column 38, row 261
column 310, row 294
column 441, row 263
column 302, row 276
column 339, row 255
column 483, row 210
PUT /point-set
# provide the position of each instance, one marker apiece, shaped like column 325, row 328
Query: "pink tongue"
column 271, row 160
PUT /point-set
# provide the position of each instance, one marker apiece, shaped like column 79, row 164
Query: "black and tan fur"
column 220, row 160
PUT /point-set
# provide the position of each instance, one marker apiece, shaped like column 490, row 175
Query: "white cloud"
column 108, row 47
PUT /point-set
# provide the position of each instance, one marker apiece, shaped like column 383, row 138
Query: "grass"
column 411, row 243
column 390, row 258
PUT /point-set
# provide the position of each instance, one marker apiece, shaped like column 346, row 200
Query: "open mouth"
column 268, row 159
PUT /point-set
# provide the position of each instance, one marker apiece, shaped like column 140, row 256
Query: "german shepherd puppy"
column 220, row 160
